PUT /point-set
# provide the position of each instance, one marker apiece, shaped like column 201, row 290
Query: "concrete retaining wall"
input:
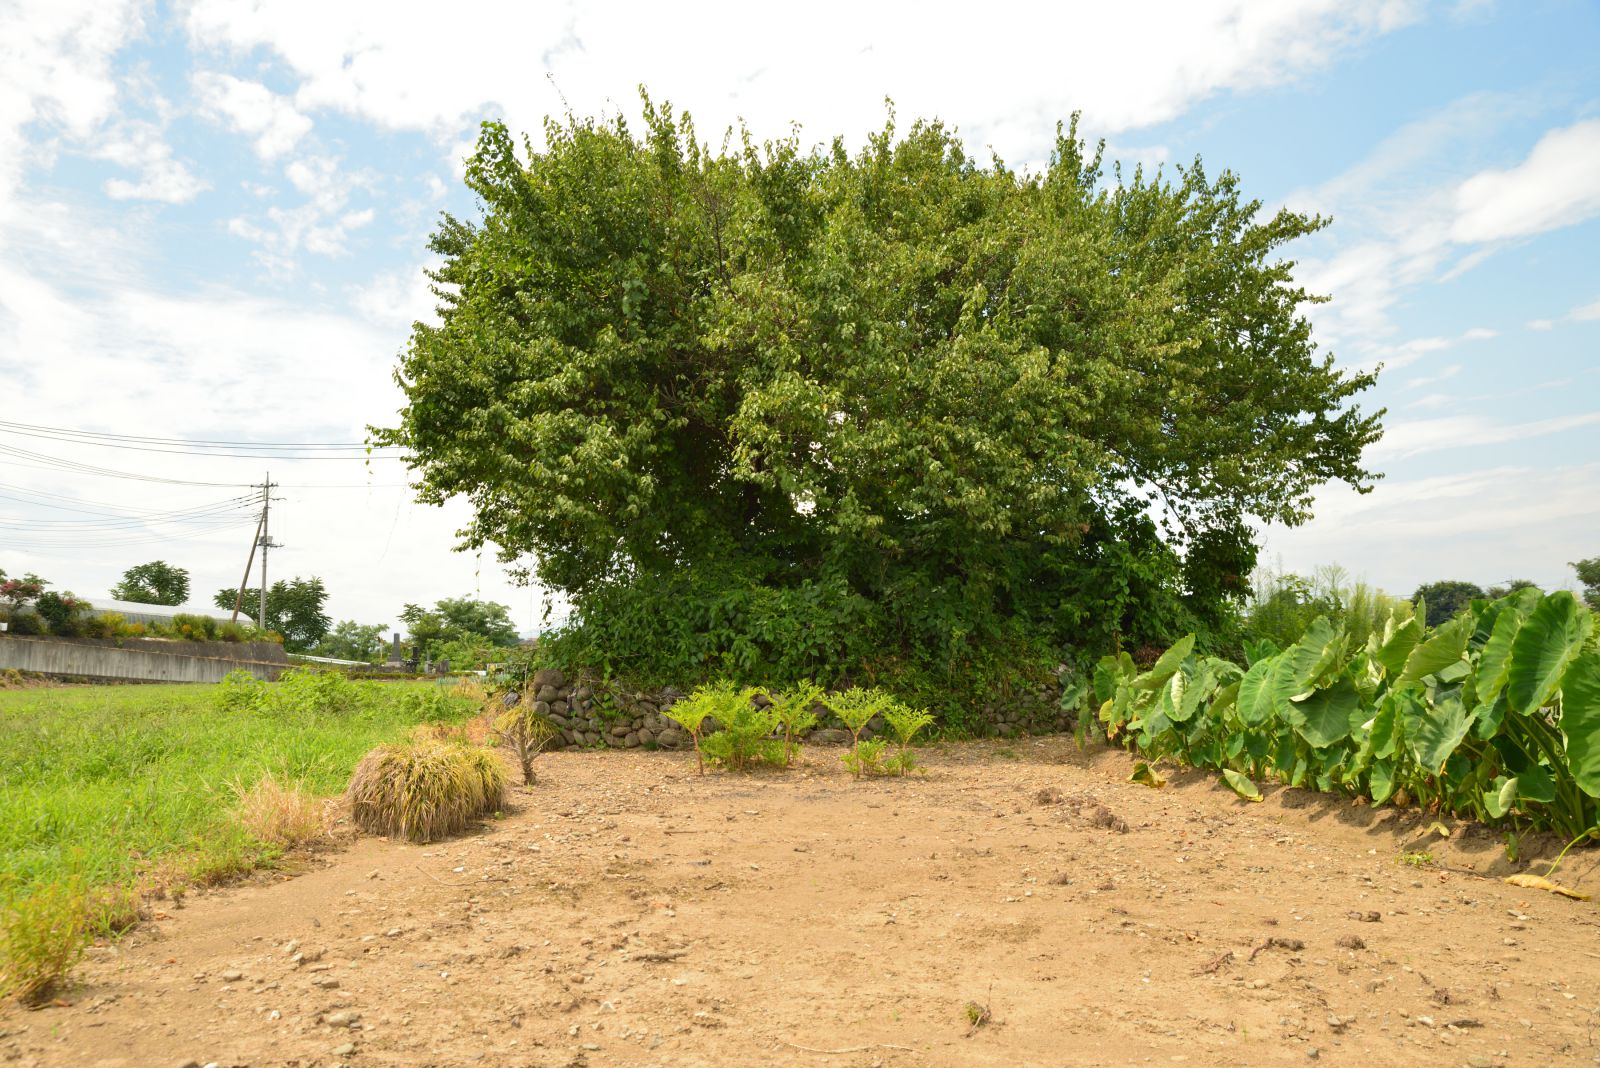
column 141, row 659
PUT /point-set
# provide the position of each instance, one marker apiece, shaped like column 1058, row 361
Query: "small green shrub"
column 691, row 712
column 866, row 758
column 41, row 937
column 526, row 734
column 745, row 740
column 905, row 723
column 793, row 711
column 425, row 790
column 856, row 708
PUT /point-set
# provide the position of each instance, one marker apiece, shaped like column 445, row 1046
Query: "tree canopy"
column 453, row 619
column 764, row 385
column 157, row 582
column 1447, row 599
column 294, row 610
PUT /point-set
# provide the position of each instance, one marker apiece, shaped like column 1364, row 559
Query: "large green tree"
column 294, row 610
column 349, row 640
column 1588, row 574
column 157, row 582
column 709, row 390
column 1447, row 599
column 455, row 618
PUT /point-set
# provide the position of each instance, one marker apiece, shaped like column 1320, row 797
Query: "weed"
column 866, row 758
column 425, row 790
column 1416, row 858
column 526, row 734
column 745, row 738
column 1005, row 752
column 856, row 708
column 280, row 814
column 720, row 701
column 793, row 709
column 41, row 938
column 905, row 723
column 979, row 1014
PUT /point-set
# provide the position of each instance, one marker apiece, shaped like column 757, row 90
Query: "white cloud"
column 141, row 146
column 322, row 225
column 1406, row 439
column 1444, row 374
column 1586, row 312
column 253, row 109
column 55, row 71
column 1485, row 525
column 1555, row 186
column 1541, row 324
column 1003, row 80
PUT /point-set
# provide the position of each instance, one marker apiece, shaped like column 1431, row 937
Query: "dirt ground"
column 628, row 912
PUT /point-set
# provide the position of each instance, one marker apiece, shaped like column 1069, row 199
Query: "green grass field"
column 106, row 784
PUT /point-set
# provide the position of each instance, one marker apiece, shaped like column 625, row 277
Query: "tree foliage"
column 1447, row 599
column 294, row 610
column 826, row 403
column 459, row 621
column 157, row 582
column 349, row 640
column 1589, row 574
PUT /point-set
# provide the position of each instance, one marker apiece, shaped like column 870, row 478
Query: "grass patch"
column 111, row 789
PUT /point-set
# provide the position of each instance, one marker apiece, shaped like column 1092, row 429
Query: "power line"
column 106, row 472
column 68, row 433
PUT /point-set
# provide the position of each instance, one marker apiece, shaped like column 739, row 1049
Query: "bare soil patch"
column 1019, row 905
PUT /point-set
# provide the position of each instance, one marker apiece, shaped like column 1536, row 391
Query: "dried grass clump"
column 425, row 790
column 280, row 814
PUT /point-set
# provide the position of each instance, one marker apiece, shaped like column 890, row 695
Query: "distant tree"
column 455, row 618
column 1447, row 599
column 17, row 592
column 62, row 612
column 294, row 610
column 1589, row 574
column 350, row 640
column 157, row 582
column 1510, row 586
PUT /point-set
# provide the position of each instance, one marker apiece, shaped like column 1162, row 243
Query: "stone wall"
column 590, row 715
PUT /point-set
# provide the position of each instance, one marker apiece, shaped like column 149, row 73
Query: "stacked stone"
column 572, row 705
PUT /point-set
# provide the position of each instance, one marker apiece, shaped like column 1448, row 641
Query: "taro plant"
column 905, row 722
column 526, row 733
column 856, row 708
column 793, row 709
column 1493, row 715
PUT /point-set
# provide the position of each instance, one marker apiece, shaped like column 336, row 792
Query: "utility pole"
column 249, row 561
column 266, row 543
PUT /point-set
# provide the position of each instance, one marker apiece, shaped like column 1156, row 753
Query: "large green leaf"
column 1381, row 781
column 1297, row 668
column 1392, row 653
column 1543, row 648
column 1241, row 785
column 1165, row 667
column 1433, row 732
column 1441, row 650
column 1255, row 698
column 1580, row 721
column 1324, row 718
column 1495, row 660
column 1187, row 694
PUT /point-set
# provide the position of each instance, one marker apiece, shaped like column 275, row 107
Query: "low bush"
column 41, row 938
column 745, row 740
column 793, row 708
column 425, row 790
column 526, row 733
column 905, row 723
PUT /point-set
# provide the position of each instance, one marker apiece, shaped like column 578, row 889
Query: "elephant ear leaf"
column 1434, row 734
column 1167, row 666
column 1546, row 644
column 1580, row 721
column 1324, row 718
column 1241, row 785
column 1255, row 696
column 1444, row 648
column 1495, row 660
column 1397, row 646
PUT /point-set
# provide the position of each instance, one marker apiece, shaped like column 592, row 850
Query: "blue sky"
column 213, row 223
